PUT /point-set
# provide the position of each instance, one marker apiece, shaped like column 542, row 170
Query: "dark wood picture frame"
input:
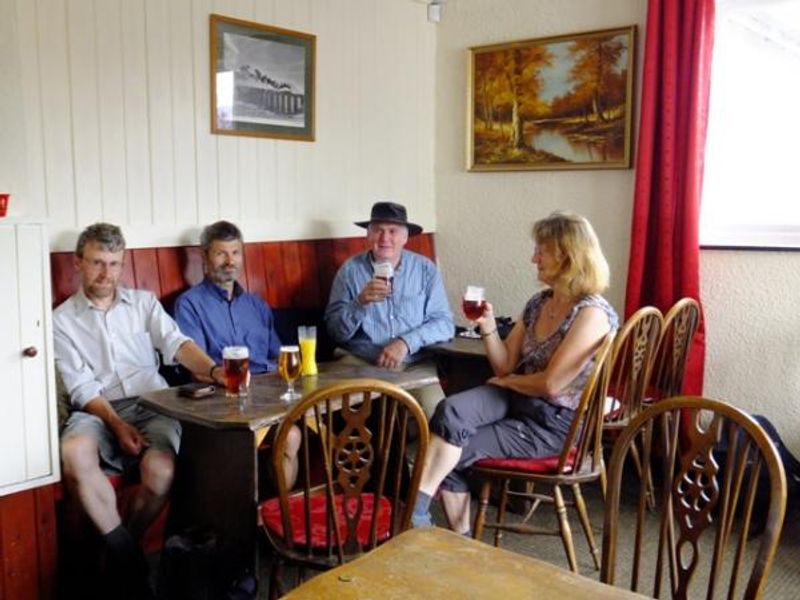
column 261, row 80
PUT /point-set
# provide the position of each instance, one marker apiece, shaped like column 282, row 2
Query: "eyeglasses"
column 100, row 265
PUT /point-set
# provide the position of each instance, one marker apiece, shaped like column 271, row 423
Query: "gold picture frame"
column 261, row 80
column 562, row 102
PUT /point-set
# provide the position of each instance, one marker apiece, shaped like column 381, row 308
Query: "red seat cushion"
column 543, row 465
column 271, row 516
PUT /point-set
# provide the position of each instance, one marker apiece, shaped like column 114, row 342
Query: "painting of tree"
column 556, row 103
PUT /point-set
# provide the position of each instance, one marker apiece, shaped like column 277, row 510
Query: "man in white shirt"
column 105, row 341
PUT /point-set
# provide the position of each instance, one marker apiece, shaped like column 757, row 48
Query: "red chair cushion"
column 271, row 516
column 543, row 465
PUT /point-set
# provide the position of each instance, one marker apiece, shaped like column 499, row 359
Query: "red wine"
column 473, row 309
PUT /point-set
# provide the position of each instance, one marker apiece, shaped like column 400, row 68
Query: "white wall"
column 104, row 114
column 753, row 334
column 484, row 219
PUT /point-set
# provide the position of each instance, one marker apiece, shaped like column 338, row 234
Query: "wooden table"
column 216, row 482
column 462, row 363
column 437, row 563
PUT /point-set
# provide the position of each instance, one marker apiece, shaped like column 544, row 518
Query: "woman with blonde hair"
column 540, row 370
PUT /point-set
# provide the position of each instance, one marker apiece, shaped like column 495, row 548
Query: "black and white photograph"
column 262, row 80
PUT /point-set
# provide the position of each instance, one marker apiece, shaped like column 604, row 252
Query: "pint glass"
column 236, row 362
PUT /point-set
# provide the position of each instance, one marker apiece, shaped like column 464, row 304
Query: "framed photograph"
column 562, row 102
column 262, row 80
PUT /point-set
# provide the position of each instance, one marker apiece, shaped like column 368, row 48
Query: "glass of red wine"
column 473, row 305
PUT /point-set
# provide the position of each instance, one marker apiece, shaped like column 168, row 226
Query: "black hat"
column 390, row 212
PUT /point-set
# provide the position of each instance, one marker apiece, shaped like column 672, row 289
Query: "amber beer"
column 289, row 363
column 289, row 369
column 236, row 363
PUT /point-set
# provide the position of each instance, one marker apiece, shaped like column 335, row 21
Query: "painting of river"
column 563, row 102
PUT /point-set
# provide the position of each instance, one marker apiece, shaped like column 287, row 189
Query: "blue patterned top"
column 536, row 354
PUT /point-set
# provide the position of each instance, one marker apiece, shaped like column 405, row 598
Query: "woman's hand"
column 486, row 320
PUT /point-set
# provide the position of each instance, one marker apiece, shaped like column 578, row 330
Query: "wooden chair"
column 368, row 469
column 579, row 462
column 680, row 325
column 631, row 365
column 699, row 493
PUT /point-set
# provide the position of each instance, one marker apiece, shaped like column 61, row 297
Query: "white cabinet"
column 29, row 453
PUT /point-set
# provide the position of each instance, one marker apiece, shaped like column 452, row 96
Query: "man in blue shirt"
column 217, row 312
column 387, row 314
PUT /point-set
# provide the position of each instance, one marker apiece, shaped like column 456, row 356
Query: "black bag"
column 790, row 465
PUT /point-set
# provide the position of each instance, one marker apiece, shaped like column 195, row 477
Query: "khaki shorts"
column 163, row 433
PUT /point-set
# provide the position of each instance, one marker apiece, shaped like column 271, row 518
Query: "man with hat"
column 388, row 304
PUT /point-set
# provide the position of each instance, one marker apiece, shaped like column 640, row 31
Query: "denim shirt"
column 205, row 314
column 416, row 312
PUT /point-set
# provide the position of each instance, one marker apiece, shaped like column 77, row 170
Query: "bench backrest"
column 294, row 277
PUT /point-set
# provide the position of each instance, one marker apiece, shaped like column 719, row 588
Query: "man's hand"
column 130, row 439
column 376, row 290
column 393, row 354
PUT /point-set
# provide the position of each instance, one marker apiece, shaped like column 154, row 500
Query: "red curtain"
column 665, row 252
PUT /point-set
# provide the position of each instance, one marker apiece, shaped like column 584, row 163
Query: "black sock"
column 127, row 560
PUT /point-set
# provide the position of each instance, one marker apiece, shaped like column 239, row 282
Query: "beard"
column 224, row 275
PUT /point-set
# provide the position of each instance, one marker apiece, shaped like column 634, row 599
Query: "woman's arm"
column 502, row 355
column 577, row 347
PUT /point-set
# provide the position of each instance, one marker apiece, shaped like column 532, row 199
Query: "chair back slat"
column 632, row 362
column 680, row 325
column 585, row 434
column 700, row 528
column 364, row 467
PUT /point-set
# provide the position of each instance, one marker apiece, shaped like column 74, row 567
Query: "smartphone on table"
column 196, row 390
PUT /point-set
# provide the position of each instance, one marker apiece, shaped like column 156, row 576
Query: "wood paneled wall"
column 291, row 274
column 105, row 115
column 28, row 545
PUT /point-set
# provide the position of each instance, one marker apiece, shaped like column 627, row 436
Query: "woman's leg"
column 456, row 509
column 440, row 460
column 456, row 421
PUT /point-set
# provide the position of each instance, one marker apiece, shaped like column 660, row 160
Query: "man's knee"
column 157, row 471
column 293, row 440
column 79, row 456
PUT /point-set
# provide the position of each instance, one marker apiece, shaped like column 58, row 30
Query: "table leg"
column 216, row 490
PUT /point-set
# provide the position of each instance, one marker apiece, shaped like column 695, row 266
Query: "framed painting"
column 561, row 102
column 262, row 80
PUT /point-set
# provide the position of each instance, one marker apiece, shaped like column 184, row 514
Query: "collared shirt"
column 206, row 315
column 417, row 311
column 112, row 353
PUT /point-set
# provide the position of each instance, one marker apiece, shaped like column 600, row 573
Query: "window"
column 751, row 192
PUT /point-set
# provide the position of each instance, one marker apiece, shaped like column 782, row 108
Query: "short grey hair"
column 104, row 234
column 222, row 231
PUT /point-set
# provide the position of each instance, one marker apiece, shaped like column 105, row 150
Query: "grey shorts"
column 163, row 433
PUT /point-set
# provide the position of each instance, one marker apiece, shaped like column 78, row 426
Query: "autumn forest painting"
column 557, row 103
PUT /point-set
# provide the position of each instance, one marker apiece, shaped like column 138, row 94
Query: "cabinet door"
column 12, row 423
column 28, row 436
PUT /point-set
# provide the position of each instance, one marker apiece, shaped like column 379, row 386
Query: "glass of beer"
column 289, row 369
column 473, row 305
column 384, row 271
column 307, row 337
column 236, row 363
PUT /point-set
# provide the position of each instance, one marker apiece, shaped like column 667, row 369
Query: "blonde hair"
column 583, row 269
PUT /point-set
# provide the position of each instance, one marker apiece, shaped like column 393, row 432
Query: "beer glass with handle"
column 289, row 369
column 236, row 364
column 473, row 305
